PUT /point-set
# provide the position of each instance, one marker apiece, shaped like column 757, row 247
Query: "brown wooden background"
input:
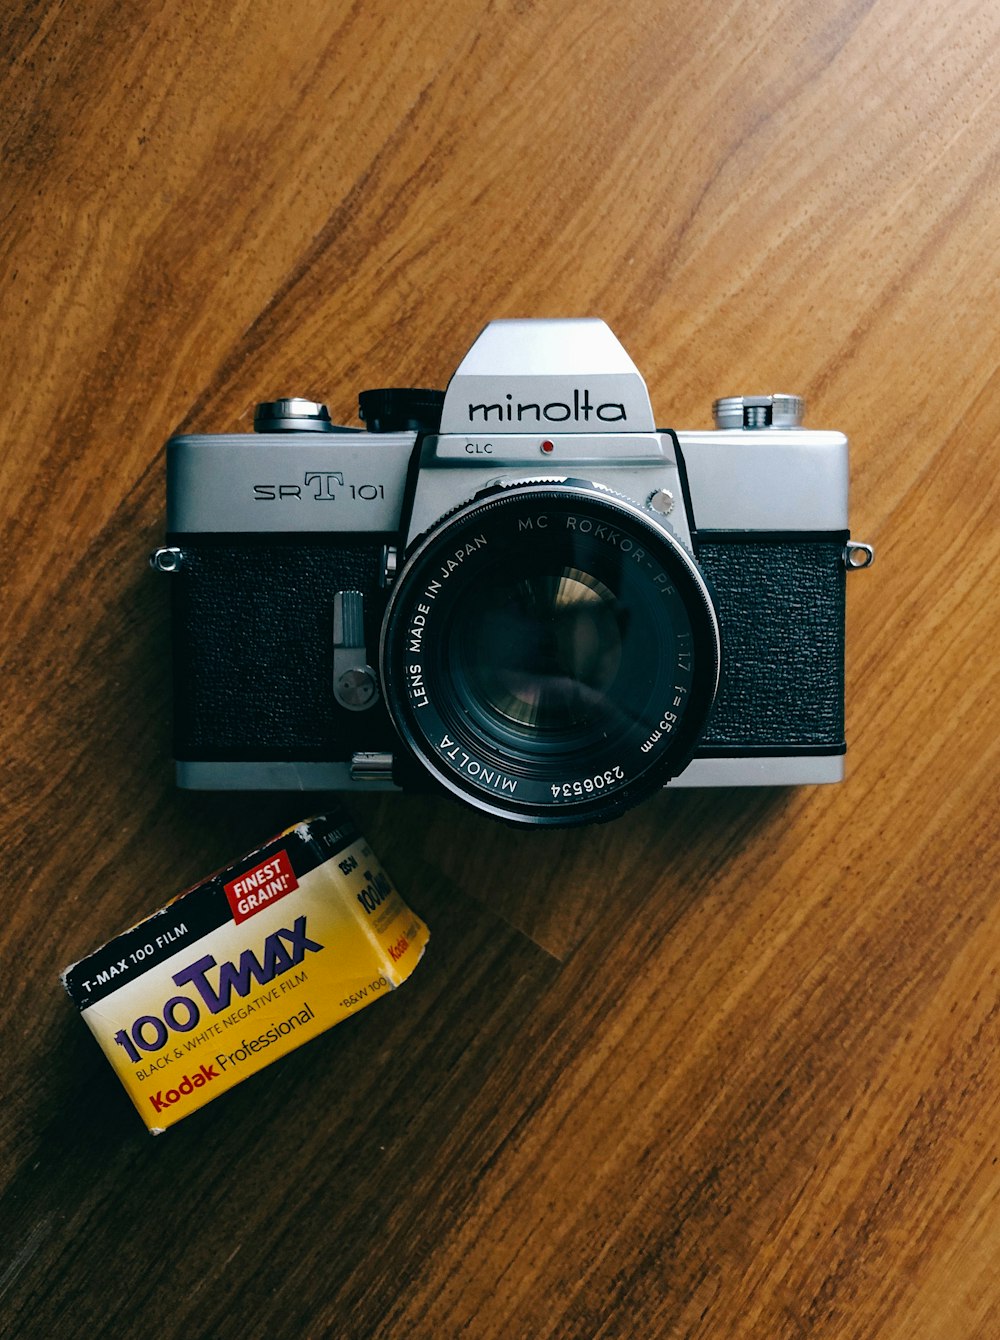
column 726, row 1067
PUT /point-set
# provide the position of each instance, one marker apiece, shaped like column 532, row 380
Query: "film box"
column 244, row 967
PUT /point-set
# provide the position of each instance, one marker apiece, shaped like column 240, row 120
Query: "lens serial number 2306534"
column 588, row 785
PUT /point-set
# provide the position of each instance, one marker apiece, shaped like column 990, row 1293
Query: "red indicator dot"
column 548, row 446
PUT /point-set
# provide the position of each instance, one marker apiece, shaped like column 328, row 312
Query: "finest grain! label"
column 246, row 966
column 261, row 886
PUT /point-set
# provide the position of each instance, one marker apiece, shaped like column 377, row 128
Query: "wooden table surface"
column 725, row 1067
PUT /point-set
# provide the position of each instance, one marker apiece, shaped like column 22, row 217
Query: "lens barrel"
column 550, row 652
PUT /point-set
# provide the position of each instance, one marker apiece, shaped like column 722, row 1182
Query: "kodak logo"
column 188, row 1084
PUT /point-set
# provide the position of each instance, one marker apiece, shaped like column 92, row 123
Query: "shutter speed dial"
column 759, row 411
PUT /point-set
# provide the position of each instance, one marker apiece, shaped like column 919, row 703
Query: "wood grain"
column 725, row 1067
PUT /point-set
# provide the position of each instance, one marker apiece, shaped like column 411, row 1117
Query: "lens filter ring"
column 550, row 652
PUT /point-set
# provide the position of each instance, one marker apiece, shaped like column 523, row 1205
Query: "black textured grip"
column 253, row 646
column 781, row 609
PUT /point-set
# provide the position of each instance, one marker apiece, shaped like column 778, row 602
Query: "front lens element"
column 551, row 653
column 540, row 650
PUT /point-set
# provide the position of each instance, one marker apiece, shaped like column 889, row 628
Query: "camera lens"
column 550, row 652
column 539, row 650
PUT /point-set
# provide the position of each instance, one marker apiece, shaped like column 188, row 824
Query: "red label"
column 261, row 886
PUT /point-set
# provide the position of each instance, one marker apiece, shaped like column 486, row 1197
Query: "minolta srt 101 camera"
column 519, row 590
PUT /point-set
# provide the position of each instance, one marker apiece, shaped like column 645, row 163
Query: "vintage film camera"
column 521, row 590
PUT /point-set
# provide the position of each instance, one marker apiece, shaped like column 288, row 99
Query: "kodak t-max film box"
column 245, row 966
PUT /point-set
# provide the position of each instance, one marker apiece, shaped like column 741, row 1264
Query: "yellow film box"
column 246, row 966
